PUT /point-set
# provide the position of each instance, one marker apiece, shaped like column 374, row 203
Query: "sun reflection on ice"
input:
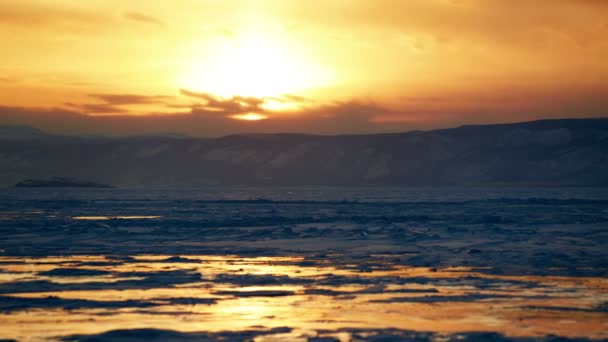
column 230, row 293
column 119, row 217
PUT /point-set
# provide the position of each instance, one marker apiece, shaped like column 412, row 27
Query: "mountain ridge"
column 561, row 152
column 4, row 129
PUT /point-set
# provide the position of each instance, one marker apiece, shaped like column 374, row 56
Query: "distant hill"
column 571, row 152
column 59, row 182
column 20, row 133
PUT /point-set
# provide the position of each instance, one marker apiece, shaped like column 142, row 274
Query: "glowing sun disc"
column 257, row 66
column 250, row 117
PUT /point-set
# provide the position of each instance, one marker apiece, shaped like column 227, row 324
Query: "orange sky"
column 210, row 68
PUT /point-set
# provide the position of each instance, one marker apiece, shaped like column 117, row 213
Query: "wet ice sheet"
column 119, row 217
column 545, row 236
column 363, row 264
column 287, row 298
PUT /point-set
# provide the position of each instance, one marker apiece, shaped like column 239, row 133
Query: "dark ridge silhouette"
column 566, row 152
column 20, row 133
column 59, row 182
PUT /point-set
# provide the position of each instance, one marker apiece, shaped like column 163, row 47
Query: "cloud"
column 140, row 17
column 498, row 29
column 124, row 99
column 62, row 18
column 204, row 115
column 291, row 98
column 95, row 108
column 210, row 117
column 225, row 106
column 114, row 103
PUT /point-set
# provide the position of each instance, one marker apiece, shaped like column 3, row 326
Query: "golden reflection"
column 123, row 217
column 516, row 306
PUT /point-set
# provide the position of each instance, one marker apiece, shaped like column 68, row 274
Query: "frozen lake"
column 304, row 264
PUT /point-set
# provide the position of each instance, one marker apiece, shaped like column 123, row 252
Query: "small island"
column 59, row 182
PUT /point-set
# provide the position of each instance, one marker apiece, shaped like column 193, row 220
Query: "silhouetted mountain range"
column 59, row 182
column 20, row 133
column 568, row 152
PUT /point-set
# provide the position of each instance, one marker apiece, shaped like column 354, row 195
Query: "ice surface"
column 318, row 264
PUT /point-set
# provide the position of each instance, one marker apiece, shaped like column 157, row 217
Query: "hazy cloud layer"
column 49, row 16
column 219, row 106
column 396, row 65
column 210, row 116
column 136, row 16
column 114, row 103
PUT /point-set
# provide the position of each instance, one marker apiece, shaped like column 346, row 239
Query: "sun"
column 250, row 117
column 257, row 65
